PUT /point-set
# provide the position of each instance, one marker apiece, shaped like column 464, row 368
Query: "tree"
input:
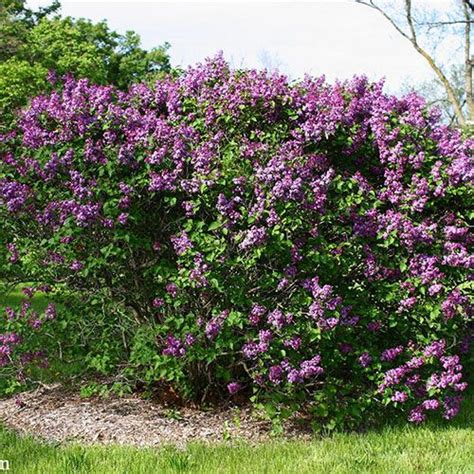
column 34, row 43
column 434, row 93
column 15, row 21
column 417, row 24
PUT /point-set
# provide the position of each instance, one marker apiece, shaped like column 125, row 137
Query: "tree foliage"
column 34, row 43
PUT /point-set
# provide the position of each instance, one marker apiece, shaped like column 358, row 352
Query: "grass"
column 15, row 296
column 437, row 447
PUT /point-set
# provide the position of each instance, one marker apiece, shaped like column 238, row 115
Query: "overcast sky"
column 334, row 37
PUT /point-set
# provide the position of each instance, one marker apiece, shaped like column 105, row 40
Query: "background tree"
column 442, row 35
column 435, row 93
column 35, row 42
column 16, row 19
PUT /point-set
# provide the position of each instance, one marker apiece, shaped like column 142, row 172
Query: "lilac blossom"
column 181, row 243
column 365, row 359
column 234, row 387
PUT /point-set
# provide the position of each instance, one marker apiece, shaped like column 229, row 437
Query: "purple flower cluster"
column 234, row 387
column 278, row 319
column 14, row 255
column 308, row 370
column 174, row 347
column 181, row 243
column 7, row 343
column 256, row 314
column 253, row 237
column 391, row 353
column 214, row 326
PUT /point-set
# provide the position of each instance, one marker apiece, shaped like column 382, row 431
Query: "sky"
column 337, row 38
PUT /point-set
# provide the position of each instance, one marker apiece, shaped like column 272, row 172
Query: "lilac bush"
column 303, row 244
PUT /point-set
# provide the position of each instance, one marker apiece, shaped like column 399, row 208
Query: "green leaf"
column 214, row 225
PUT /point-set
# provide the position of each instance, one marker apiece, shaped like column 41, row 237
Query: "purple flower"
column 125, row 188
column 10, row 312
column 451, row 406
column 76, row 266
column 233, row 387
column 311, row 368
column 174, row 347
column 284, row 282
column 212, row 329
column 198, row 272
column 188, row 208
column 431, row 404
column 275, row 374
column 50, row 311
column 415, row 362
column 374, row 326
column 435, row 349
column 14, row 254
column 416, row 415
column 214, row 326
column 252, row 350
column 407, row 303
column 294, row 376
column 399, row 397
column 393, row 377
column 28, row 291
column 365, row 359
column 181, row 243
column 51, row 76
column 256, row 314
column 451, row 304
column 158, row 302
column 278, row 320
column 253, row 238
column 294, row 342
column 391, row 354
column 172, row 289
column 435, row 289
column 316, row 310
column 328, row 324
column 123, row 218
column 265, row 336
column 36, row 323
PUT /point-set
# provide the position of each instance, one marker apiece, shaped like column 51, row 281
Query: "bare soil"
column 55, row 414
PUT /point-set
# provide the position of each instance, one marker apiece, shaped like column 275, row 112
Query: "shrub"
column 303, row 244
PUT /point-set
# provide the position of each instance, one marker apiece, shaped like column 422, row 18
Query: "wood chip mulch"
column 53, row 414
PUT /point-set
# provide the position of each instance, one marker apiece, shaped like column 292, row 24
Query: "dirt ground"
column 54, row 414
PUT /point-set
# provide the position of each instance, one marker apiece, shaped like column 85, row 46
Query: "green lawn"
column 435, row 448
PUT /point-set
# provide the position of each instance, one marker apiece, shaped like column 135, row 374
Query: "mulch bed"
column 55, row 414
